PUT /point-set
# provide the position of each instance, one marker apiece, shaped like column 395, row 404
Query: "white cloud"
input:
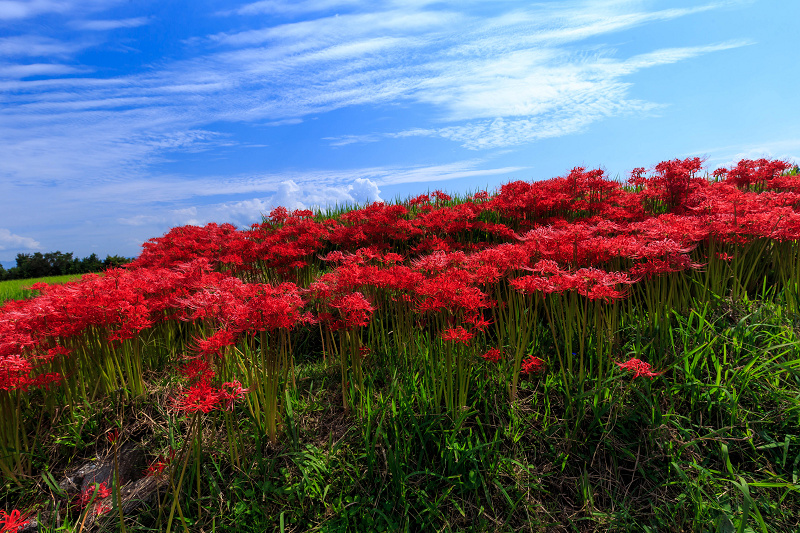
column 20, row 9
column 105, row 25
column 727, row 156
column 11, row 241
column 23, row 9
column 35, row 69
column 37, row 45
column 293, row 8
column 287, row 193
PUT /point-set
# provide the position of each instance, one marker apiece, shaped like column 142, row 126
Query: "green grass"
column 19, row 289
column 712, row 445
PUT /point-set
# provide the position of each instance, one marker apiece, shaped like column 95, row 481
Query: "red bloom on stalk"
column 197, row 369
column 93, row 492
column 11, row 523
column 458, row 334
column 639, row 368
column 158, row 466
column 355, row 309
column 493, row 355
column 216, row 343
column 532, row 365
column 234, row 392
column 200, row 397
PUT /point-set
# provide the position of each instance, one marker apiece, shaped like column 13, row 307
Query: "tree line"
column 38, row 265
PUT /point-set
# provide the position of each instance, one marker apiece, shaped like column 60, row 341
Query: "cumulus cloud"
column 288, row 194
column 11, row 241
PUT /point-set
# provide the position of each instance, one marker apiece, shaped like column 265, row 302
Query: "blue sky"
column 121, row 119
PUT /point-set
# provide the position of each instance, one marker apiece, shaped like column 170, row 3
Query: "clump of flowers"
column 93, row 493
column 458, row 334
column 156, row 468
column 639, row 368
column 493, row 355
column 12, row 522
column 532, row 365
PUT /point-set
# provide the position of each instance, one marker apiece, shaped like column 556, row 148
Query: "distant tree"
column 91, row 264
column 115, row 261
column 60, row 263
column 37, row 265
column 56, row 263
column 32, row 265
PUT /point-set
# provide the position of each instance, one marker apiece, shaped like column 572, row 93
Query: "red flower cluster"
column 12, row 522
column 532, row 365
column 202, row 397
column 94, row 493
column 458, row 334
column 448, row 266
column 639, row 368
column 160, row 463
column 493, row 355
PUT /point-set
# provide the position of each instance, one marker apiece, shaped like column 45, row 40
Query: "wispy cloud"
column 293, row 8
column 35, row 69
column 23, row 9
column 484, row 75
column 725, row 156
column 505, row 80
column 20, row 9
column 105, row 25
column 38, row 46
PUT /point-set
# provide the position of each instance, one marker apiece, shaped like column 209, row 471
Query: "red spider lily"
column 639, row 368
column 477, row 321
column 113, row 436
column 748, row 172
column 101, row 508
column 493, row 355
column 197, row 369
column 216, row 343
column 458, row 334
column 441, row 196
column 98, row 492
column 418, row 200
column 200, row 397
column 354, row 308
column 160, row 463
column 532, row 365
column 203, row 397
column 13, row 522
column 232, row 391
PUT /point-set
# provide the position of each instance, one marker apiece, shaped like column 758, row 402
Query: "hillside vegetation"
column 574, row 354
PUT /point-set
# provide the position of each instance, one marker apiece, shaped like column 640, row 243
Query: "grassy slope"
column 711, row 445
column 18, row 289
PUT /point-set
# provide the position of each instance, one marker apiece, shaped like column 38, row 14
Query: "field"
column 575, row 354
column 19, row 289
